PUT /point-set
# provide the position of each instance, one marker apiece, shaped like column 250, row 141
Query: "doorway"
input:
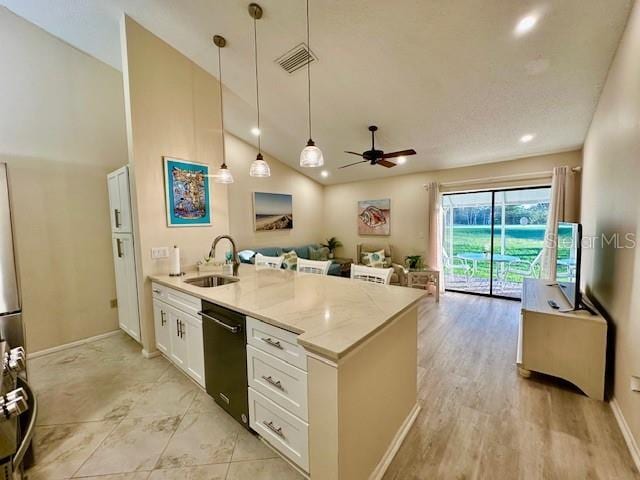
column 493, row 240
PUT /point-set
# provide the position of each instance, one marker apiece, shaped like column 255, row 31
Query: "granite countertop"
column 333, row 315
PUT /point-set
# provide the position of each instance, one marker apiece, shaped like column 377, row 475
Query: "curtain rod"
column 504, row 178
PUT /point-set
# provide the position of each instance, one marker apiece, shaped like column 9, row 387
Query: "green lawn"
column 522, row 241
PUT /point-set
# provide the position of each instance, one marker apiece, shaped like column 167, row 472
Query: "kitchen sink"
column 210, row 281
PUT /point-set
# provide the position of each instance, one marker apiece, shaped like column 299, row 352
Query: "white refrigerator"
column 124, row 259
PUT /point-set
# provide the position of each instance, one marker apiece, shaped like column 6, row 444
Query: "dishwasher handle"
column 232, row 329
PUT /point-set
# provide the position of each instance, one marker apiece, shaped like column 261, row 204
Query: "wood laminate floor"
column 481, row 420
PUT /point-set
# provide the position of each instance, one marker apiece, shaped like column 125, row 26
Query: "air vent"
column 296, row 58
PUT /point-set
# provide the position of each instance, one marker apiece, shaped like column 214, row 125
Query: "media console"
column 566, row 344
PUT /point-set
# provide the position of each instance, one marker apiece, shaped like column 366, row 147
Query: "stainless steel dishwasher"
column 225, row 359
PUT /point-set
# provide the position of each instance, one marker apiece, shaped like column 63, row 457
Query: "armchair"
column 399, row 275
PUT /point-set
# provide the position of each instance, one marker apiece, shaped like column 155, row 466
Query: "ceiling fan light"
column 223, row 175
column 259, row 168
column 311, row 156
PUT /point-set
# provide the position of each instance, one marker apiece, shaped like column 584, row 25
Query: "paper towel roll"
column 174, row 261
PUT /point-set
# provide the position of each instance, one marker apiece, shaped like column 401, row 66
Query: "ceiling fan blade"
column 401, row 153
column 353, row 153
column 351, row 164
column 385, row 163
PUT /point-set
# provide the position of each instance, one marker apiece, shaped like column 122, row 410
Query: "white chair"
column 313, row 266
column 268, row 262
column 370, row 274
column 454, row 264
column 529, row 269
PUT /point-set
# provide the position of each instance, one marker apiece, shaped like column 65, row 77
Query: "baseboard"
column 153, row 354
column 626, row 432
column 394, row 446
column 59, row 348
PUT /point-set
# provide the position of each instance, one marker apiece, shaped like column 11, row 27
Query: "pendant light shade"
column 311, row 156
column 223, row 175
column 259, row 167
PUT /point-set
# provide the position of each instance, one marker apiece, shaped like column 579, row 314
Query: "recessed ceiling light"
column 402, row 160
column 527, row 138
column 324, row 173
column 255, row 131
column 526, row 24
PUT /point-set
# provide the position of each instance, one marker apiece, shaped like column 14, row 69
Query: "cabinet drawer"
column 276, row 341
column 182, row 301
column 280, row 382
column 284, row 431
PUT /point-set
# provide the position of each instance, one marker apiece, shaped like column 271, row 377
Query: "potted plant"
column 332, row 244
column 413, row 261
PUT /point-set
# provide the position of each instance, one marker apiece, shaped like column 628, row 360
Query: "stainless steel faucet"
column 235, row 261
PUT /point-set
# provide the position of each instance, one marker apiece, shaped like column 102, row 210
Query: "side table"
column 423, row 278
column 345, row 265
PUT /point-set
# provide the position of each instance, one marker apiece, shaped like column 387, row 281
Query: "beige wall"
column 173, row 109
column 307, row 200
column 408, row 199
column 60, row 140
column 611, row 204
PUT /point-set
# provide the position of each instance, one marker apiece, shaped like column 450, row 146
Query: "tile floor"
column 107, row 413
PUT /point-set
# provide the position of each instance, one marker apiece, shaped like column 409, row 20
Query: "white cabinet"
column 179, row 330
column 119, row 200
column 161, row 323
column 126, row 287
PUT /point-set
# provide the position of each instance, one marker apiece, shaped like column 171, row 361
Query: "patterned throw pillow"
column 321, row 254
column 373, row 259
column 290, row 260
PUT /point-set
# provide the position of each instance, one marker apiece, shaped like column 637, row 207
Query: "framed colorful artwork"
column 187, row 193
column 374, row 217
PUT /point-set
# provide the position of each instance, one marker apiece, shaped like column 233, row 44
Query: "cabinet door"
column 178, row 342
column 195, row 349
column 119, row 200
column 126, row 286
column 161, row 322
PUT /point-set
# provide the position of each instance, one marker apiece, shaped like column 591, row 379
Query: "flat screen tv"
column 569, row 238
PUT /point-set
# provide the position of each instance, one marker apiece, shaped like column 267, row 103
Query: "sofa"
column 399, row 276
column 302, row 251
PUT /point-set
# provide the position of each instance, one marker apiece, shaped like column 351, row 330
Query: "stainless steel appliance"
column 18, row 406
column 225, row 359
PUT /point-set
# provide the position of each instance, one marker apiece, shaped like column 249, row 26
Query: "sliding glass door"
column 492, row 240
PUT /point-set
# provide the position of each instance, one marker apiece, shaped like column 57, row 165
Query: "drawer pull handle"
column 155, row 290
column 273, row 428
column 273, row 343
column 275, row 383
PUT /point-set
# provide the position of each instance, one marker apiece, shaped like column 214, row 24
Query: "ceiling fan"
column 378, row 157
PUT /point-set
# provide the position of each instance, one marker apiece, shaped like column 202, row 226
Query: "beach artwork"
column 272, row 211
column 187, row 193
column 374, row 217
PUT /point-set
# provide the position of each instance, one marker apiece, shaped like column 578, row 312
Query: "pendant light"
column 311, row 156
column 259, row 168
column 224, row 174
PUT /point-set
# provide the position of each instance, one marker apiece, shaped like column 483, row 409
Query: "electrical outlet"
column 113, row 303
column 635, row 383
column 159, row 252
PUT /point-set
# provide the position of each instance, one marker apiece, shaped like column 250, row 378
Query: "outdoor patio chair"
column 457, row 264
column 525, row 268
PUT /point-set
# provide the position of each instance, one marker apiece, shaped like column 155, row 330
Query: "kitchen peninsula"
column 354, row 350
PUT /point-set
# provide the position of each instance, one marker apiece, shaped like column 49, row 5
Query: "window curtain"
column 561, row 209
column 434, row 227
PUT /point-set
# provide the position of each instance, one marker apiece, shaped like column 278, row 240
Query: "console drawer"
column 279, row 381
column 284, row 431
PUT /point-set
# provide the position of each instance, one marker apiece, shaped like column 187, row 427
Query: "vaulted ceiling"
column 450, row 78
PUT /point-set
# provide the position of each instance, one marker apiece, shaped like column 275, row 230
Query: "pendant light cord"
column 255, row 46
column 309, row 70
column 224, row 153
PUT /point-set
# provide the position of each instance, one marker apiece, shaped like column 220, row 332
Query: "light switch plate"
column 159, row 252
